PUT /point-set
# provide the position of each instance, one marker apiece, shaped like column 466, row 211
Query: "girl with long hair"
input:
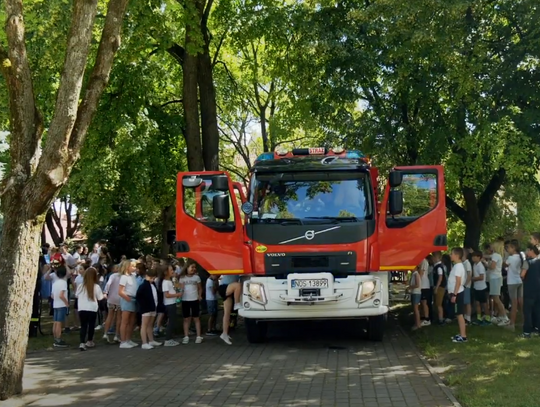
column 88, row 295
column 192, row 295
column 127, row 292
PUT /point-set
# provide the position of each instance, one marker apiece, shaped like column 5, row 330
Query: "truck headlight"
column 366, row 290
column 256, row 293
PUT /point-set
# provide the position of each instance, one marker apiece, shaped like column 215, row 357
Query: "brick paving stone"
column 301, row 365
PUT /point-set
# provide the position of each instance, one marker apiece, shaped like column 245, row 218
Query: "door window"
column 420, row 196
column 199, row 204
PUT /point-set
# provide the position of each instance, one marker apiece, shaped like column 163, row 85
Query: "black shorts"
column 460, row 306
column 222, row 290
column 190, row 309
column 103, row 307
column 480, row 296
column 76, row 303
column 426, row 294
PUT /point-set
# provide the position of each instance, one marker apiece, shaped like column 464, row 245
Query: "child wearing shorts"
column 59, row 296
column 415, row 288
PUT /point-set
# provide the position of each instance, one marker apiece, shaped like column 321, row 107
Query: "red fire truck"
column 315, row 237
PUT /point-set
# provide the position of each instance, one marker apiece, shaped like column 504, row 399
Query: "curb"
column 432, row 371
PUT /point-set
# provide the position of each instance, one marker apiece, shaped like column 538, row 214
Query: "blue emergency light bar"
column 283, row 153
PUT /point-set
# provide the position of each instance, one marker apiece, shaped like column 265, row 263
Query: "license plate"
column 312, row 283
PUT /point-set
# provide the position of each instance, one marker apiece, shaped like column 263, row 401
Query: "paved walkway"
column 303, row 364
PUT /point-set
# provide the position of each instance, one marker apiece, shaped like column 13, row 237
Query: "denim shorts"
column 495, row 285
column 416, row 298
column 211, row 305
column 467, row 296
column 130, row 306
column 60, row 314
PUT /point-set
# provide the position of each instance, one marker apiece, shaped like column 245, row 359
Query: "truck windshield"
column 340, row 196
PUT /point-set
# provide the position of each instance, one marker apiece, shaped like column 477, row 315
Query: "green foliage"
column 124, row 233
column 135, row 147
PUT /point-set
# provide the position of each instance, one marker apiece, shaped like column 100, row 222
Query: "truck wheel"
column 256, row 330
column 375, row 329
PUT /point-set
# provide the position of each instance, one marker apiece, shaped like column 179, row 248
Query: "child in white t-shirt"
column 211, row 303
column 480, row 291
column 515, row 284
column 191, row 284
column 415, row 289
column 456, row 291
column 59, row 295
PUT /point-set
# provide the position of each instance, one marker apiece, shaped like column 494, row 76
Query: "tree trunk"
column 166, row 224
column 473, row 231
column 209, row 125
column 191, row 105
column 35, row 179
column 51, row 227
column 16, row 288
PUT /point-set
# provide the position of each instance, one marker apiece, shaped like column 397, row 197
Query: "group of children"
column 468, row 281
column 142, row 294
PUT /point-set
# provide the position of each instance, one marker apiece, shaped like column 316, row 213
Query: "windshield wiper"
column 281, row 221
column 334, row 219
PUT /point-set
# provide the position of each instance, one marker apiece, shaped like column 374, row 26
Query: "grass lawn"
column 494, row 369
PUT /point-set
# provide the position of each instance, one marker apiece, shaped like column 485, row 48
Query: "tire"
column 376, row 327
column 255, row 330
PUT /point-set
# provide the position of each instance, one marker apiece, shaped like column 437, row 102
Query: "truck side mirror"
column 395, row 202
column 220, row 183
column 395, row 179
column 221, row 207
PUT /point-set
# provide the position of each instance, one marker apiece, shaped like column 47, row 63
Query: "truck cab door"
column 406, row 238
column 203, row 232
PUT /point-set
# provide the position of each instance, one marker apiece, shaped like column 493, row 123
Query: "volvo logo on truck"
column 275, row 254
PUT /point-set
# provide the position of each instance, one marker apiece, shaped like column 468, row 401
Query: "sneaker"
column 447, row 321
column 525, row 336
column 459, row 339
column 237, row 306
column 455, row 336
column 510, row 327
column 82, row 347
column 504, row 322
column 117, row 339
column 485, row 322
column 211, row 333
column 98, row 328
column 125, row 345
column 133, row 344
column 106, row 337
column 495, row 320
column 441, row 322
column 199, row 339
column 171, row 342
column 146, row 346
column 226, row 339
column 90, row 344
column 185, row 341
column 156, row 344
column 477, row 322
column 426, row 323
column 60, row 344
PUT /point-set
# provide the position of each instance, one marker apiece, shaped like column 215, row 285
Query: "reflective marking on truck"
column 396, row 268
column 226, row 271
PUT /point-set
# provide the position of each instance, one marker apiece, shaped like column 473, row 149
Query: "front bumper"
column 313, row 313
column 340, row 298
